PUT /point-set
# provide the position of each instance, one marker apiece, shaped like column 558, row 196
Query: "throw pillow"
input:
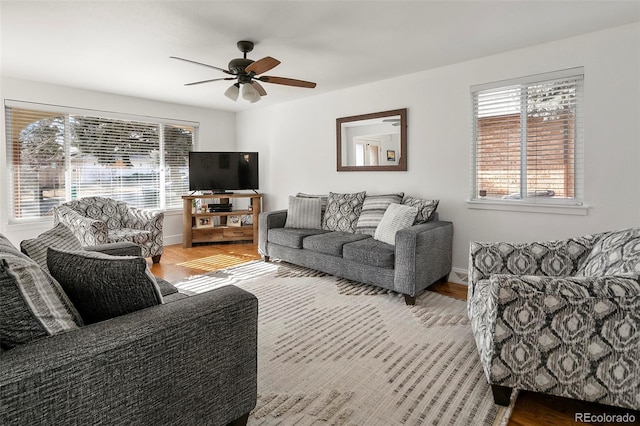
column 303, row 213
column 373, row 209
column 32, row 304
column 102, row 286
column 343, row 211
column 60, row 237
column 397, row 217
column 323, row 200
column 616, row 253
column 426, row 208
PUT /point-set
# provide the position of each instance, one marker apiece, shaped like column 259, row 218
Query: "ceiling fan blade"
column 209, row 81
column 259, row 88
column 262, row 65
column 287, row 81
column 200, row 63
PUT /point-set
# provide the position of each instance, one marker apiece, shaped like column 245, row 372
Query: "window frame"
column 575, row 205
column 160, row 123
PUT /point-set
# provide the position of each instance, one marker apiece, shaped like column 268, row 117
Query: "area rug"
column 337, row 352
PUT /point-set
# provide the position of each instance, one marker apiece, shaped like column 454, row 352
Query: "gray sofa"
column 190, row 361
column 421, row 255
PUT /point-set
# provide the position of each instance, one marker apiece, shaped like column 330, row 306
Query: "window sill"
column 519, row 206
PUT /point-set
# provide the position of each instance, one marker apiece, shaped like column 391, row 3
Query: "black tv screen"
column 223, row 171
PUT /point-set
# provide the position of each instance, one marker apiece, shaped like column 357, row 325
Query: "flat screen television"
column 223, row 171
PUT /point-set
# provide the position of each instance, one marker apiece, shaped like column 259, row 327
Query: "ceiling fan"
column 246, row 71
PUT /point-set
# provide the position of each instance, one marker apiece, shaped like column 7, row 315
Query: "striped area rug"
column 336, row 352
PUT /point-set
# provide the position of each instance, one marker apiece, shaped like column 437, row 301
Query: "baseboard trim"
column 459, row 276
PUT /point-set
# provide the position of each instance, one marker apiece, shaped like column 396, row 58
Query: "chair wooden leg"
column 156, row 259
column 409, row 300
column 266, row 258
column 240, row 421
column 501, row 394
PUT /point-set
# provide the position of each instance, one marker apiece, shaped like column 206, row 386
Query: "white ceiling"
column 123, row 47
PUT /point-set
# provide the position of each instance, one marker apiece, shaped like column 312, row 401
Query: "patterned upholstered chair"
column 559, row 317
column 99, row 220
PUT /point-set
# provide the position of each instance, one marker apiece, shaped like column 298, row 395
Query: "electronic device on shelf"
column 223, row 171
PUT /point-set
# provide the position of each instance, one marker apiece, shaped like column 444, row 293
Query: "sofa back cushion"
column 615, row 253
column 343, row 211
column 32, row 303
column 107, row 210
column 373, row 209
column 102, row 286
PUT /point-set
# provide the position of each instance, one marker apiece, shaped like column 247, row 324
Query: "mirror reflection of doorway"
column 367, row 152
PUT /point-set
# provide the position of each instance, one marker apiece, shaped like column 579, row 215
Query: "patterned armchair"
column 99, row 220
column 559, row 317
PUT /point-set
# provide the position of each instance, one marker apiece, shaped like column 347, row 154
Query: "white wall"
column 297, row 148
column 217, row 132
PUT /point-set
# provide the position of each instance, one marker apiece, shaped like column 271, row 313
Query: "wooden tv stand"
column 200, row 227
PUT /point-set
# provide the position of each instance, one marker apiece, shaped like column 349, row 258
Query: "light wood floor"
column 531, row 408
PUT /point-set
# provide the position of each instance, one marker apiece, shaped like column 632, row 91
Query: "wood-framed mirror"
column 372, row 142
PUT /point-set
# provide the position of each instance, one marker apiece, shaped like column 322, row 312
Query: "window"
column 527, row 140
column 57, row 154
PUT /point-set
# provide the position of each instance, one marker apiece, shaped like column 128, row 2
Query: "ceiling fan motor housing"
column 237, row 66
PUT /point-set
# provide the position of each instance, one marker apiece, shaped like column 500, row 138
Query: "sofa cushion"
column 166, row 288
column 397, row 217
column 343, row 211
column 32, row 303
column 370, row 252
column 103, row 286
column 331, row 243
column 291, row 237
column 60, row 236
column 373, row 209
column 615, row 253
column 426, row 208
column 304, row 213
column 137, row 236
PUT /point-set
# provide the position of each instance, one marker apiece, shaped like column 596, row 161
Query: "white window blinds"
column 527, row 139
column 56, row 156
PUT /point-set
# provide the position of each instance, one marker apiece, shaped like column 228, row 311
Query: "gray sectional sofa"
column 420, row 256
column 185, row 360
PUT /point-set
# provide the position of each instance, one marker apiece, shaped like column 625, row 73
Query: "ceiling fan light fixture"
column 232, row 92
column 250, row 93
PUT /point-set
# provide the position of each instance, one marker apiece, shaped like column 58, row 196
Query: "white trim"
column 518, row 206
column 12, row 103
column 535, row 78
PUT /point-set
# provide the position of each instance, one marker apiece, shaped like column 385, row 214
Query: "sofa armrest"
column 266, row 221
column 89, row 231
column 423, row 255
column 507, row 287
column 124, row 248
column 191, row 361
column 147, row 220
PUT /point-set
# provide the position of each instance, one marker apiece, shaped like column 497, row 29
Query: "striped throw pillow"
column 373, row 209
column 32, row 303
column 60, row 237
column 304, row 213
column 397, row 217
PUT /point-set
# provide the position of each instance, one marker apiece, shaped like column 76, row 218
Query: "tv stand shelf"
column 200, row 226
